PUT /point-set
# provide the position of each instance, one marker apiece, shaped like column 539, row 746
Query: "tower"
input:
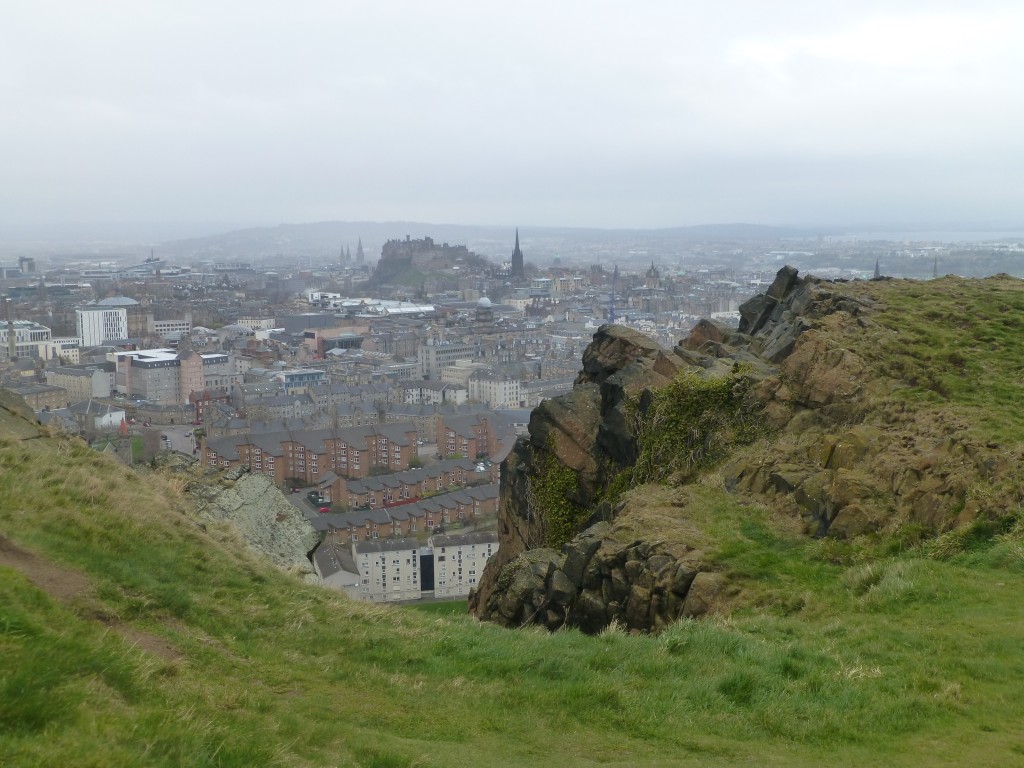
column 359, row 252
column 517, row 259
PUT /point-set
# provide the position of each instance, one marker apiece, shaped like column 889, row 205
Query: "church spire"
column 517, row 259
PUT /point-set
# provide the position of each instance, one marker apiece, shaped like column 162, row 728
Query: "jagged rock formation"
column 602, row 577
column 847, row 458
column 266, row 520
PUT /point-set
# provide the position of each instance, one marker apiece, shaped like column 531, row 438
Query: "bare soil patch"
column 69, row 587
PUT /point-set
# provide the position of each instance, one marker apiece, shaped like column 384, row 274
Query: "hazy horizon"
column 864, row 115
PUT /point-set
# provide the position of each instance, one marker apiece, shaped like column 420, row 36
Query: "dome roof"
column 117, row 301
column 484, row 302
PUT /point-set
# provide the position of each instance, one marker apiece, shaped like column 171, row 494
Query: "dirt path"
column 68, row 587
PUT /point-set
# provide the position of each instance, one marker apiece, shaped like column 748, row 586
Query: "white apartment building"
column 97, row 325
column 496, row 389
column 389, row 569
column 30, row 339
column 66, row 348
column 459, row 559
column 460, row 371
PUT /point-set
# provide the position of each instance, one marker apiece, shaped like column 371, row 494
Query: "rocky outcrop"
column 17, row 419
column 266, row 520
column 846, row 458
column 589, row 432
column 600, row 578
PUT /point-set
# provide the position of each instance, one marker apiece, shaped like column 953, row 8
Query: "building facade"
column 389, row 569
column 80, row 383
column 433, row 358
column 497, row 390
column 307, row 456
column 30, row 339
column 167, row 377
column 459, row 561
column 97, row 325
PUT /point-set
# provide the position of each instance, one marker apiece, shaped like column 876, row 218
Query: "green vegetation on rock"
column 690, row 425
column 554, row 489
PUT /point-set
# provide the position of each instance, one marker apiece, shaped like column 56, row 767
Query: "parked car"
column 324, row 510
column 296, row 490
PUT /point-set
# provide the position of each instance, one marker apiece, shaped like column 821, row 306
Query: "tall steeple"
column 517, row 259
column 359, row 252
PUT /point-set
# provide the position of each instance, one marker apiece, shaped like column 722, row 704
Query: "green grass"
column 844, row 654
column 954, row 342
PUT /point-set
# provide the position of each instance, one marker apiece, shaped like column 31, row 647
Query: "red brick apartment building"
column 419, row 483
column 467, row 505
column 470, row 436
column 306, row 456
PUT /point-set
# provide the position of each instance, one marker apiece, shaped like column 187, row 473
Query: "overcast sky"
column 612, row 114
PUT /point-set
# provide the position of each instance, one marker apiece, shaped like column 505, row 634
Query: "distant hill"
column 325, row 239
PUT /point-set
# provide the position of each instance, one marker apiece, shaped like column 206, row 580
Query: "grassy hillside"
column 130, row 636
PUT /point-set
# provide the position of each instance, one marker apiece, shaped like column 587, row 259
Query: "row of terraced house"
column 412, row 484
column 306, row 456
column 466, row 506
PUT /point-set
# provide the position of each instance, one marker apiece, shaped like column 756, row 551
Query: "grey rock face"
column 598, row 579
column 266, row 520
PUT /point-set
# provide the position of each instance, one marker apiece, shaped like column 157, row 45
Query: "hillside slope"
column 129, row 635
